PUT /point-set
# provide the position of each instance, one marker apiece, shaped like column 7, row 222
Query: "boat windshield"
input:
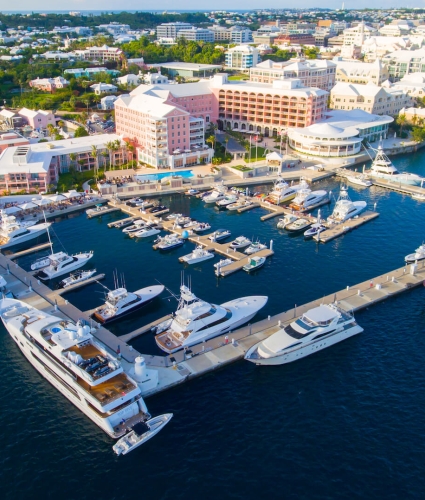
column 293, row 333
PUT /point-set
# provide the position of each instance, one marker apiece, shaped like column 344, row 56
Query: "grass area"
column 75, row 180
column 242, row 168
column 257, row 153
column 238, row 77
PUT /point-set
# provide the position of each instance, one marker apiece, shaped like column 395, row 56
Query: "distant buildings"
column 49, row 84
column 171, row 30
column 360, row 72
column 241, row 57
column 196, row 34
column 89, row 73
column 108, row 102
column 404, row 62
column 101, row 54
column 103, row 88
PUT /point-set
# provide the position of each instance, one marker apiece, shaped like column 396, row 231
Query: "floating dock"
column 93, row 212
column 396, row 186
column 122, row 222
column 29, row 251
column 75, row 286
column 339, row 229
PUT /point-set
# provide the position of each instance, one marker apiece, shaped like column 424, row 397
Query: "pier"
column 344, row 227
column 93, row 212
column 75, row 286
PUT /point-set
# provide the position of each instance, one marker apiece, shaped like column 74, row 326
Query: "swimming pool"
column 158, row 177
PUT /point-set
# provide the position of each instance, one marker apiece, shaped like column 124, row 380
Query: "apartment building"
column 404, row 62
column 241, row 57
column 171, row 30
column 360, row 72
column 371, row 98
column 358, row 34
column 101, row 54
column 196, row 34
column 312, row 73
column 295, row 39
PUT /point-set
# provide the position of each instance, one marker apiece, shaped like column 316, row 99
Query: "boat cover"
column 140, row 428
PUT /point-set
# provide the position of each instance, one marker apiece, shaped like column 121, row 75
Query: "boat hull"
column 414, row 181
column 80, row 262
column 34, row 232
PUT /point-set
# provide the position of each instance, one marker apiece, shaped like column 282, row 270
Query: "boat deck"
column 108, row 391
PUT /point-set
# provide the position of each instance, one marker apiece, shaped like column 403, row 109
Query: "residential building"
column 114, row 28
column 412, row 84
column 241, row 57
column 358, row 34
column 10, row 119
column 89, row 73
column 129, row 80
column 10, row 139
column 108, row 102
column 57, row 55
column 101, row 54
column 416, row 116
column 171, row 30
column 312, row 72
column 49, row 84
column 154, row 78
column 360, row 72
column 404, row 62
column 103, row 88
column 370, row 98
column 196, row 34
column 265, row 38
column 393, row 30
column 339, row 134
column 187, row 70
column 37, row 119
column 295, row 39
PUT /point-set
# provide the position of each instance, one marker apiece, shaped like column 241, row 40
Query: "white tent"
column 57, row 197
column 43, row 202
column 13, row 210
column 275, row 156
column 28, row 205
column 72, row 194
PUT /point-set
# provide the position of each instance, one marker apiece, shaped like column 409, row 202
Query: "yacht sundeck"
column 288, row 219
column 315, row 330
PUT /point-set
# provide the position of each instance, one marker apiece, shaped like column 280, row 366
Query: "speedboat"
column 136, row 226
column 97, row 210
column 201, row 227
column 227, row 200
column 173, row 216
column 125, row 223
column 76, row 277
column 60, row 263
column 146, row 232
column 383, row 168
column 255, row 247
column 316, row 329
column 316, row 228
column 169, row 242
column 298, row 225
column 240, row 242
column 120, row 302
column 158, row 209
column 13, row 232
column 306, row 199
column 239, row 204
column 254, row 263
column 220, row 264
column 216, row 195
column 418, row 255
column 219, row 235
column 359, row 180
column 198, row 255
column 140, row 433
column 288, row 219
column 197, row 321
column 192, row 192
column 79, row 366
column 345, row 208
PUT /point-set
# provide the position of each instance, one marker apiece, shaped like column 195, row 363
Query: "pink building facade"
column 37, row 119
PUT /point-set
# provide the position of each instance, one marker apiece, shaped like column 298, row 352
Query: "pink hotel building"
column 166, row 122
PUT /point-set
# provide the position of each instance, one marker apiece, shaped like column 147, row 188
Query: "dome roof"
column 325, row 129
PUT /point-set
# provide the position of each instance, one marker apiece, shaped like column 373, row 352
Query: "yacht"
column 418, row 255
column 317, row 329
column 79, row 366
column 168, row 242
column 158, row 210
column 288, row 219
column 383, row 168
column 59, row 263
column 359, row 180
column 316, row 228
column 229, row 199
column 196, row 321
column 146, row 232
column 240, row 242
column 282, row 192
column 120, row 302
column 220, row 264
column 136, row 226
column 219, row 235
column 298, row 225
column 13, row 232
column 198, row 255
column 254, row 263
column 201, row 227
column 216, row 195
column 306, row 199
column 345, row 208
column 76, row 277
column 255, row 247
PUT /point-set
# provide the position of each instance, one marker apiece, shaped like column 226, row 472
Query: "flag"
column 255, row 137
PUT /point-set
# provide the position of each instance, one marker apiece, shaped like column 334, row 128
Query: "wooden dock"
column 339, row 229
column 92, row 212
column 144, row 329
column 28, row 251
column 240, row 263
column 249, row 207
column 81, row 284
column 125, row 222
column 396, row 186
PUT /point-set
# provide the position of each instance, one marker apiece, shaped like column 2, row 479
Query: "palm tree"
column 110, row 147
column 211, row 140
column 226, row 140
column 401, row 121
column 94, row 154
column 51, row 129
column 72, row 157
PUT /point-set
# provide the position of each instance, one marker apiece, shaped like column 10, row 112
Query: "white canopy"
column 43, row 202
column 28, row 205
column 72, row 194
column 57, row 197
column 275, row 156
column 13, row 210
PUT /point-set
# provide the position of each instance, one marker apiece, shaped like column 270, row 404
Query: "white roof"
column 356, row 89
column 321, row 313
column 6, row 113
column 186, row 65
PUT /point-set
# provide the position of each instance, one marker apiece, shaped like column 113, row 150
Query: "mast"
column 48, row 233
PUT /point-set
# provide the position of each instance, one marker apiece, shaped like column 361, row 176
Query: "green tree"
column 401, row 121
column 81, row 132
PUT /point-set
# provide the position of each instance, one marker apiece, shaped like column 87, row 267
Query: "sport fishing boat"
column 77, row 365
column 219, row 235
column 220, row 264
column 315, row 330
column 216, row 194
column 255, row 247
column 239, row 204
column 418, row 255
column 120, row 302
column 288, row 219
column 13, row 232
column 198, row 255
column 168, row 242
column 254, row 263
column 359, row 180
column 59, row 263
column 345, row 208
column 76, row 277
column 146, row 232
column 282, row 192
column 196, row 321
column 383, row 168
column 136, row 226
column 306, row 199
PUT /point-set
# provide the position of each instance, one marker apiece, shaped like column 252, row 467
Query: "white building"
column 412, row 84
column 171, row 30
column 360, row 72
column 340, row 134
column 107, row 102
column 196, row 34
column 404, row 62
column 102, row 54
column 129, row 80
column 103, row 88
column 358, row 34
column 241, row 57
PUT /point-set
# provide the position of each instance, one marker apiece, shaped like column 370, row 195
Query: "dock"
column 396, row 186
column 93, row 279
column 29, row 251
column 239, row 264
column 93, row 212
column 249, row 207
column 144, row 329
column 122, row 222
column 337, row 230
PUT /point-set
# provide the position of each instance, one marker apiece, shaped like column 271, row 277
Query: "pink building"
column 10, row 139
column 37, row 119
column 49, row 84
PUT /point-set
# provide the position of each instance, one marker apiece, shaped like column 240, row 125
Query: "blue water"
column 158, row 177
column 347, row 422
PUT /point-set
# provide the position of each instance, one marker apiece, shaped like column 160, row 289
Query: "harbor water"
column 347, row 422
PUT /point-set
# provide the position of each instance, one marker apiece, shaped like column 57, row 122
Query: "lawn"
column 242, row 168
column 238, row 77
column 75, row 180
column 257, row 153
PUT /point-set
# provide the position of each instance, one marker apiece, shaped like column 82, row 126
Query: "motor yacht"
column 282, row 192
column 345, row 208
column 77, row 365
column 136, row 226
column 219, row 235
column 201, row 227
column 255, row 247
column 239, row 205
column 288, row 219
column 13, row 232
column 306, row 199
column 125, row 223
column 359, row 180
column 196, row 320
column 418, row 255
column 168, row 242
column 216, row 195
column 198, row 255
column 240, row 242
column 226, row 201
column 254, row 263
column 383, row 168
column 60, row 263
column 315, row 330
column 173, row 216
column 146, row 232
column 76, row 277
column 120, row 302
column 298, row 225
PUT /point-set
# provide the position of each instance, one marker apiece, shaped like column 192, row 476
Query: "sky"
column 194, row 5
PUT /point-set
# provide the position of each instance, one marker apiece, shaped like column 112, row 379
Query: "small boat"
column 158, row 209
column 169, row 242
column 146, row 232
column 316, row 228
column 359, row 180
column 136, row 226
column 418, row 255
column 198, row 255
column 76, row 277
column 240, row 242
column 192, row 192
column 124, row 223
column 219, row 235
column 239, row 204
column 288, row 219
column 173, row 216
column 140, row 433
column 201, row 227
column 98, row 210
column 216, row 195
column 254, row 248
column 60, row 263
column 222, row 263
column 189, row 224
column 298, row 225
column 254, row 263
column 418, row 197
column 227, row 200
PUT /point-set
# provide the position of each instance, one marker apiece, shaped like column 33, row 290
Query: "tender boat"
column 173, row 216
column 383, row 168
column 227, row 200
column 240, row 242
column 120, row 302
column 198, row 255
column 140, row 433
column 77, row 365
column 345, row 208
column 169, row 242
column 158, row 209
column 192, row 192
column 254, row 263
column 13, row 232
column 76, row 277
column 254, row 248
column 219, row 235
column 316, row 228
column 125, row 223
column 288, row 219
column 220, row 264
column 136, row 226
column 298, row 225
column 196, row 321
column 315, row 330
column 201, row 227
column 418, row 255
column 239, row 205
column 359, row 180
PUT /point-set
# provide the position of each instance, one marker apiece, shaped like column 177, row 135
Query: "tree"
column 81, row 132
column 110, row 147
column 211, row 140
column 51, row 129
column 401, row 122
column 73, row 158
column 418, row 134
column 94, row 154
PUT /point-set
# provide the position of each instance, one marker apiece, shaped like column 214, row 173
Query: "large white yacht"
column 13, row 232
column 307, row 199
column 383, row 168
column 120, row 302
column 345, row 208
column 416, row 256
column 196, row 320
column 80, row 367
column 315, row 330
column 59, row 263
column 217, row 194
column 283, row 192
